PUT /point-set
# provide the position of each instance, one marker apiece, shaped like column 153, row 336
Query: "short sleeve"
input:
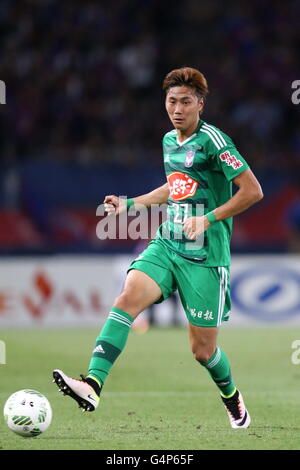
column 230, row 161
column 224, row 155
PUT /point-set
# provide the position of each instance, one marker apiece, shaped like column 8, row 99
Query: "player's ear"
column 201, row 104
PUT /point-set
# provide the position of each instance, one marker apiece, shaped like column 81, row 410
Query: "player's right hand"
column 114, row 205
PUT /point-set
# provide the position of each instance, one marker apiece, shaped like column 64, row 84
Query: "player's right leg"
column 139, row 291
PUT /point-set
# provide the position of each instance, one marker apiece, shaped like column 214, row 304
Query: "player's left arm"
column 249, row 193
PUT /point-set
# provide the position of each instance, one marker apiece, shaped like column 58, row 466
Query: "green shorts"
column 204, row 291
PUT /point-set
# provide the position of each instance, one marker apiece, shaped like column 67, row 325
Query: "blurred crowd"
column 84, row 77
column 85, row 113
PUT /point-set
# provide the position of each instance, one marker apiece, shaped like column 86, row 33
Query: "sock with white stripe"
column 110, row 343
column 219, row 369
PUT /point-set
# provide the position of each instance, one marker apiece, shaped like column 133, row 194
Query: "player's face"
column 183, row 107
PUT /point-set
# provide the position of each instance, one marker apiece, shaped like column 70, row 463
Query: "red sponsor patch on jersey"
column 231, row 160
column 181, row 186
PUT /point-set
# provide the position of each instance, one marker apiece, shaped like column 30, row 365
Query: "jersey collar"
column 180, row 144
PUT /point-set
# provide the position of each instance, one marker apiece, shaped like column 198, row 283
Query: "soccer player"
column 191, row 251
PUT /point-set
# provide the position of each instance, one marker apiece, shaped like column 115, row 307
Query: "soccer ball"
column 27, row 413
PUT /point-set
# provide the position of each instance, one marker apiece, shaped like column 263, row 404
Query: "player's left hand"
column 194, row 226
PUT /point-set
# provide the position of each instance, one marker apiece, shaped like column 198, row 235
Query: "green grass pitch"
column 157, row 396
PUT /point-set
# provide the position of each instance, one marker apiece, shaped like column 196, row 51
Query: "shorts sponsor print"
column 204, row 291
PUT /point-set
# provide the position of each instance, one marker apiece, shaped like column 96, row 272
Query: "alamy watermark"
column 2, row 352
column 295, row 358
column 2, row 92
column 296, row 93
column 141, row 224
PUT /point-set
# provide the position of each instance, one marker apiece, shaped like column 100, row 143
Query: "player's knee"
column 128, row 302
column 124, row 301
column 202, row 354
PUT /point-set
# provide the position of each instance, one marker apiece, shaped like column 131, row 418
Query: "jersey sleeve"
column 224, row 155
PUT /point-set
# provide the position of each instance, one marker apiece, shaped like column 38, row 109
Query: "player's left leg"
column 205, row 296
column 203, row 342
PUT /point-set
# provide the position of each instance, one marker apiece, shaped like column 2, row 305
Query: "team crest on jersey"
column 231, row 160
column 189, row 158
column 181, row 186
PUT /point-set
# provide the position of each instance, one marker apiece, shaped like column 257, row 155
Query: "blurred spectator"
column 87, row 76
column 84, row 85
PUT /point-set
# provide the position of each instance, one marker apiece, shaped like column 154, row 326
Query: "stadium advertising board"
column 79, row 291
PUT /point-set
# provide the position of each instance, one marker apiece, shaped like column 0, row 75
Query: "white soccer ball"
column 27, row 413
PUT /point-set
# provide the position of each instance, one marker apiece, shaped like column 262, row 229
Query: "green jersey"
column 200, row 171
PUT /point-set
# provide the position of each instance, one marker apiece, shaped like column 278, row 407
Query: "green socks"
column 112, row 340
column 219, row 369
column 109, row 344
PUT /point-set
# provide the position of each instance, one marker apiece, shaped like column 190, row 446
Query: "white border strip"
column 212, row 137
column 221, row 294
column 120, row 321
column 216, row 132
column 121, row 317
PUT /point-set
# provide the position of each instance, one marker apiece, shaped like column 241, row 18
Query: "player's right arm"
column 115, row 205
